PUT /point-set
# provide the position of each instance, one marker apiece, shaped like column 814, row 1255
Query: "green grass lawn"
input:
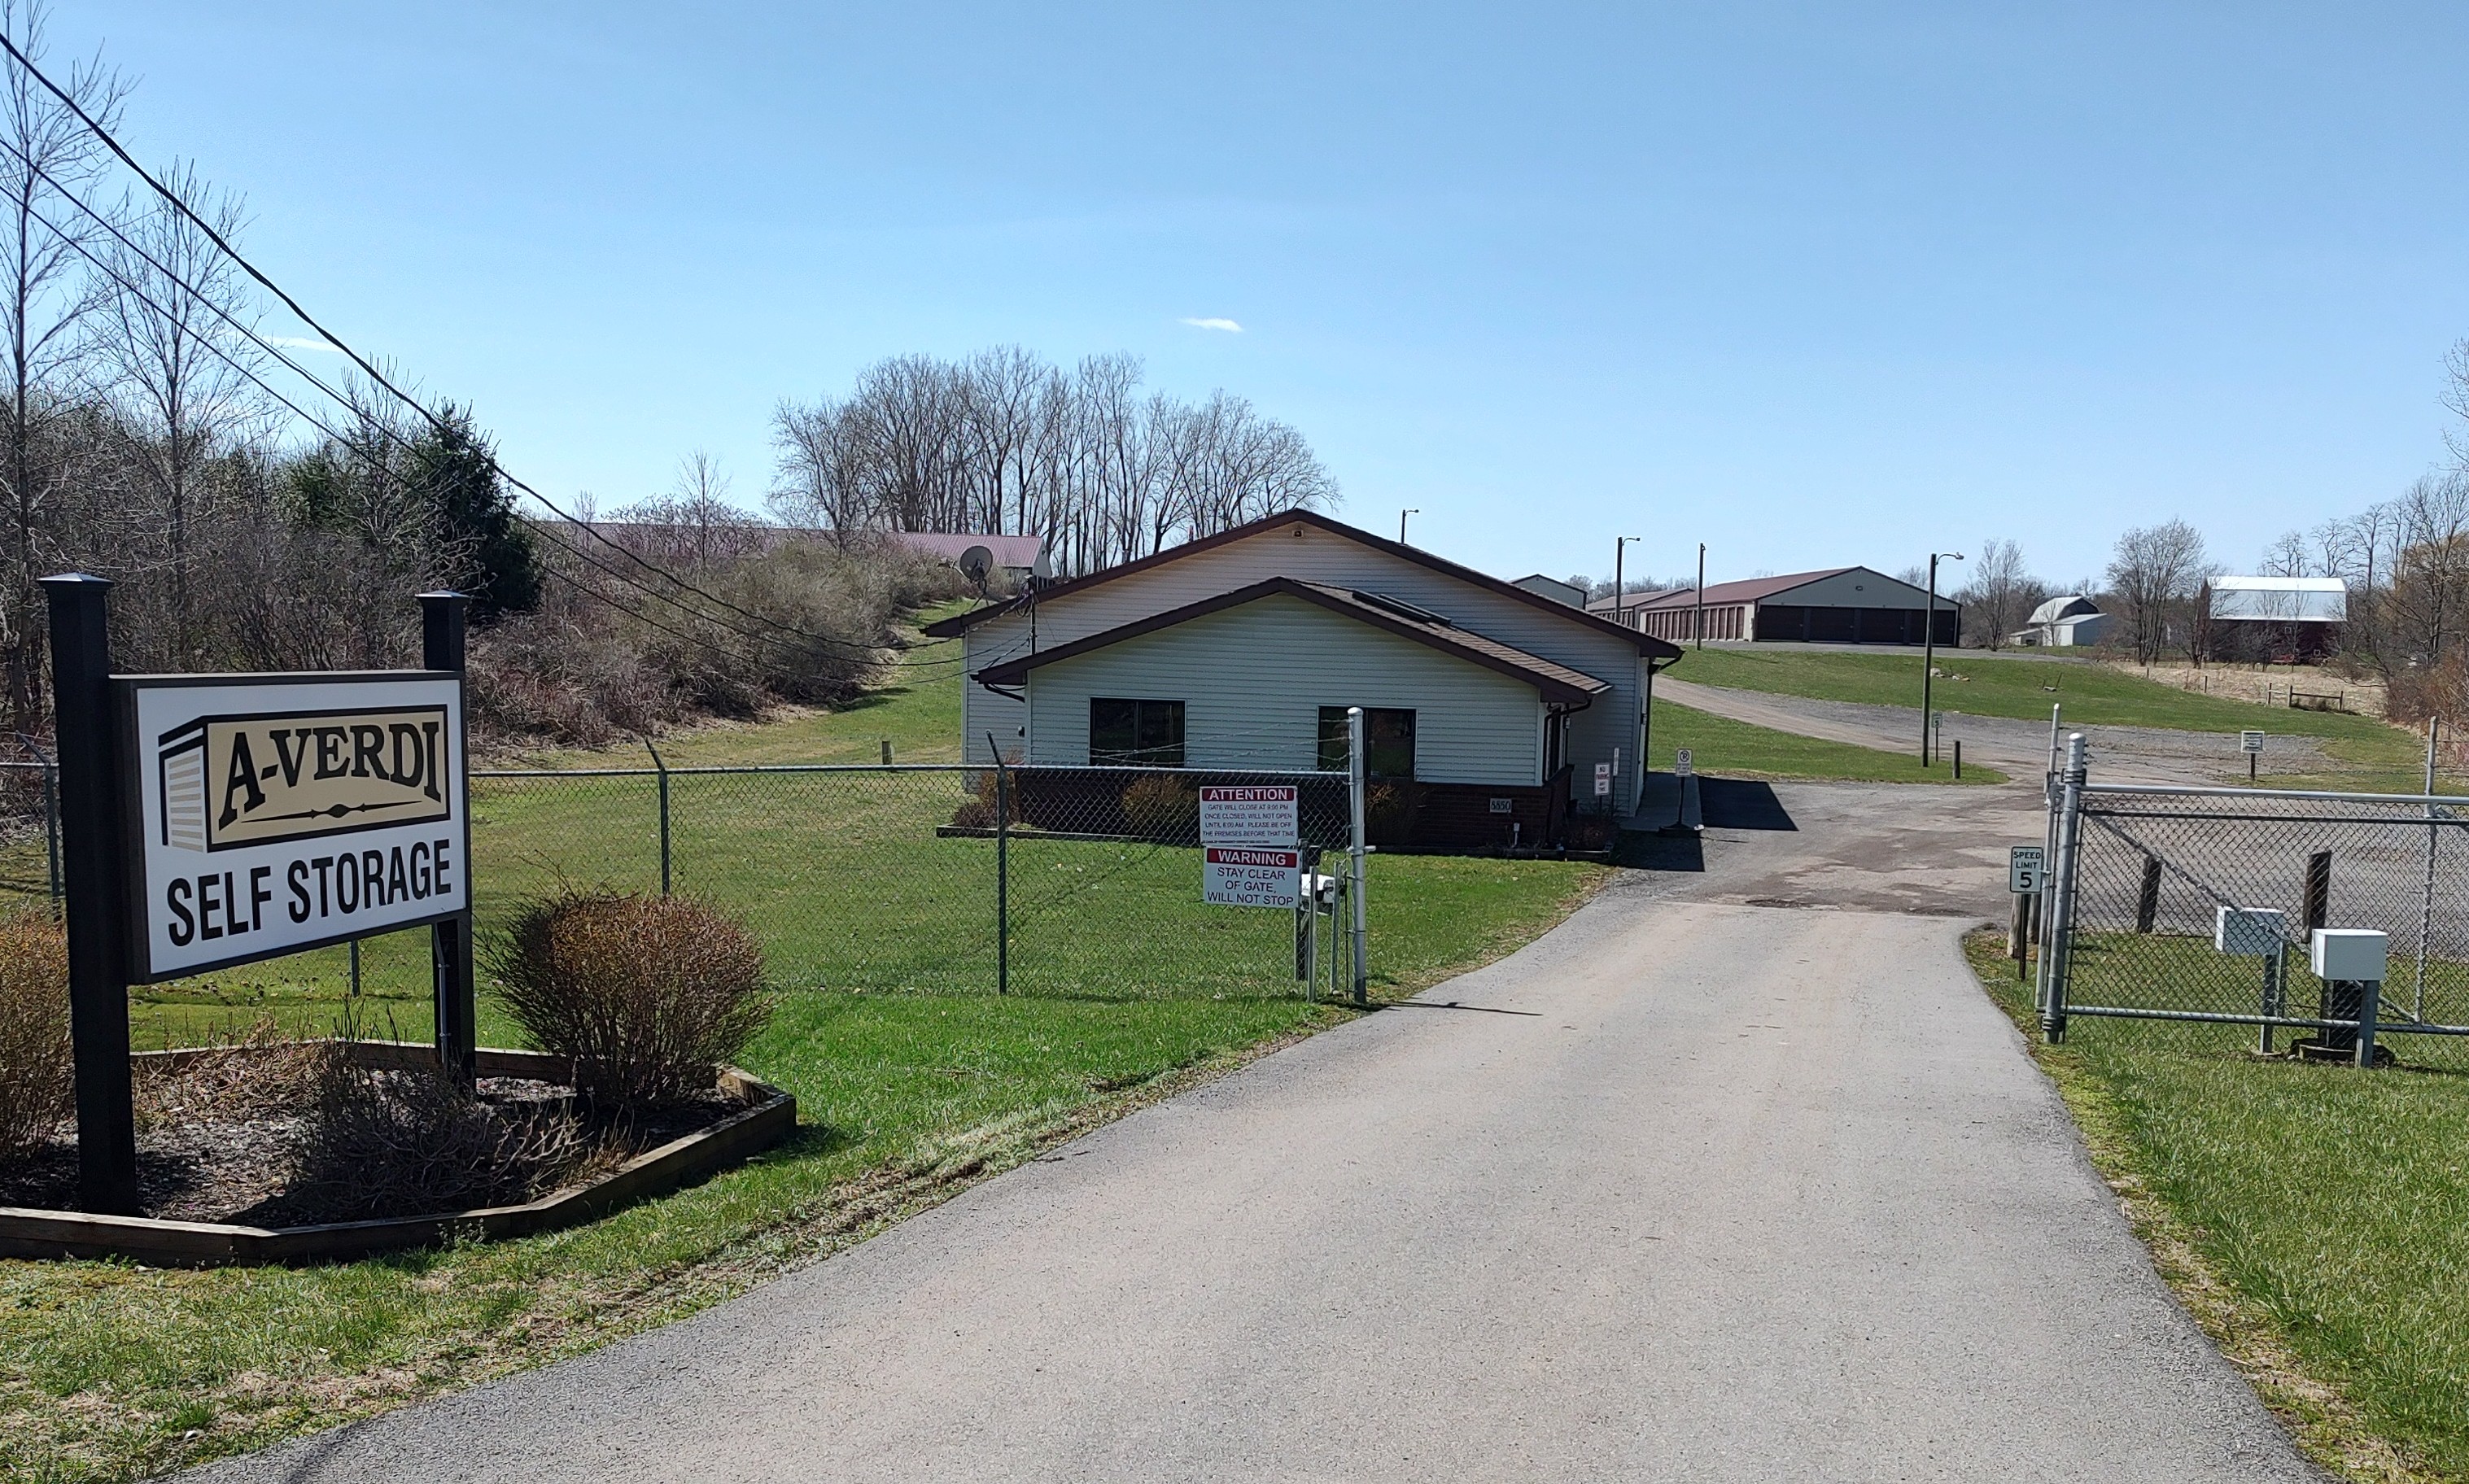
column 912, row 1076
column 1736, row 750
column 2367, row 754
column 2314, row 1218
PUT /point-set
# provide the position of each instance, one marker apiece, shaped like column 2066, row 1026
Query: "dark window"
column 1135, row 733
column 1388, row 740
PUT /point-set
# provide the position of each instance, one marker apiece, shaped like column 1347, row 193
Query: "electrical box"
column 2248, row 932
column 2349, row 953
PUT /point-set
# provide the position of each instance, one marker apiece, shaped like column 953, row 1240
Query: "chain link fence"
column 2198, row 905
column 914, row 879
column 917, row 879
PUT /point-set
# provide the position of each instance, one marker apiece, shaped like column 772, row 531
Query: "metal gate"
column 2199, row 904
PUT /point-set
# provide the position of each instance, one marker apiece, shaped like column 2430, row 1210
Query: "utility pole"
column 1701, row 621
column 1928, row 648
column 1401, row 522
column 1620, row 588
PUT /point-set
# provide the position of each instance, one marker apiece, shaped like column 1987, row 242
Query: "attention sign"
column 280, row 814
column 1236, row 876
column 1256, row 814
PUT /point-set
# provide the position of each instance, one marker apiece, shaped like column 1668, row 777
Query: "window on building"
column 1135, row 733
column 1388, row 740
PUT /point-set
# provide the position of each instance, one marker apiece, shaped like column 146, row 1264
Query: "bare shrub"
column 1161, row 806
column 388, row 1142
column 796, row 621
column 647, row 995
column 979, row 812
column 35, row 1078
column 259, row 1072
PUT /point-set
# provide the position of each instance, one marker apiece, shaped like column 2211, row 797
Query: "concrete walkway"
column 1688, row 1190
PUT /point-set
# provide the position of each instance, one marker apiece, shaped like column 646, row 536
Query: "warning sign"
column 1236, row 877
column 1261, row 814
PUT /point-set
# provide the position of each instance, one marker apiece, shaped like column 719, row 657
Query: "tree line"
column 1006, row 443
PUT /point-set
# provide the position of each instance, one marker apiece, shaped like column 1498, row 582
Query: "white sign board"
column 277, row 813
column 1682, row 764
column 1239, row 815
column 1603, row 779
column 2023, row 875
column 2249, row 741
column 1233, row 875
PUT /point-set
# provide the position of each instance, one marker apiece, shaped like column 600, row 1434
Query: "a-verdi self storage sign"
column 276, row 813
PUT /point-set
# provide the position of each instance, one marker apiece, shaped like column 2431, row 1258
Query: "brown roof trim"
column 1556, row 682
column 1647, row 644
column 1758, row 589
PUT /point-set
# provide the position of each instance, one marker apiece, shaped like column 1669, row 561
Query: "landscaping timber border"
column 767, row 1118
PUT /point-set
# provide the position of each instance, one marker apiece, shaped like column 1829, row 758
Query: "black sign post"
column 94, row 874
column 441, row 647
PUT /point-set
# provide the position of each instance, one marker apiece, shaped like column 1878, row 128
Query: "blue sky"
column 1811, row 284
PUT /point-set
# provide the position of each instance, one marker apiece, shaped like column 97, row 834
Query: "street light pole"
column 1401, row 522
column 1699, row 623
column 1928, row 648
column 1620, row 588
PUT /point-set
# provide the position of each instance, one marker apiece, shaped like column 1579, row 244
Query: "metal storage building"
column 1839, row 605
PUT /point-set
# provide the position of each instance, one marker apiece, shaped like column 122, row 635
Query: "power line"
column 869, row 656
column 358, row 359
column 312, row 420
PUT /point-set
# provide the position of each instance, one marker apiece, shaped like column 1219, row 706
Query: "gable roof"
column 1756, row 589
column 1646, row 644
column 2063, row 607
column 1556, row 681
column 1746, row 590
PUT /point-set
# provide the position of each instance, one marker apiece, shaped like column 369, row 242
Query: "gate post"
column 2058, row 951
column 1358, row 769
column 457, row 1009
column 94, row 871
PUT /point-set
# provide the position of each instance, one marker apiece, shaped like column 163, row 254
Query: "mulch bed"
column 240, row 1170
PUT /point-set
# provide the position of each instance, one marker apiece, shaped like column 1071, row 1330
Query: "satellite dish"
column 977, row 565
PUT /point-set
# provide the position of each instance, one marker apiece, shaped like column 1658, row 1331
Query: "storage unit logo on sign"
column 232, row 781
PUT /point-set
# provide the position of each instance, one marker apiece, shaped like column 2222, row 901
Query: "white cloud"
column 1226, row 324
column 300, row 343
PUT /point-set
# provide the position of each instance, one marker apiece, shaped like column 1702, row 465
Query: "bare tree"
column 1005, row 443
column 45, row 152
column 2289, row 556
column 2156, row 575
column 178, row 367
column 2001, row 593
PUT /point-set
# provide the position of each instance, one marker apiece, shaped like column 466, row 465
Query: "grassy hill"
column 2370, row 754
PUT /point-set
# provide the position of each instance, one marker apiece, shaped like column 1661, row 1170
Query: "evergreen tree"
column 455, row 468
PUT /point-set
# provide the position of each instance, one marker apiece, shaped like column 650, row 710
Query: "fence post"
column 2370, row 993
column 1355, row 772
column 2147, row 898
column 1003, row 869
column 96, row 911
column 2426, row 911
column 1306, row 918
column 663, row 769
column 2058, row 948
column 50, row 810
column 457, row 1010
column 2319, row 890
column 2048, row 861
